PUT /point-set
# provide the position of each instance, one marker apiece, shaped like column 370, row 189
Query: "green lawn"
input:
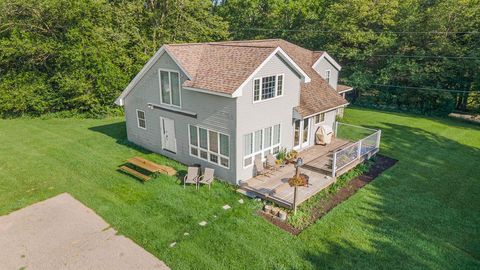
column 422, row 213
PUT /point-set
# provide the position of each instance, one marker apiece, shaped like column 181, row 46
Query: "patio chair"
column 191, row 177
column 207, row 177
column 271, row 163
column 261, row 170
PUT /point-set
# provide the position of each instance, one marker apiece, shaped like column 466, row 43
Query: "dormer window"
column 328, row 73
column 169, row 87
column 267, row 87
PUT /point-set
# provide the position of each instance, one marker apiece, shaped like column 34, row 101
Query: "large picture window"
column 169, row 87
column 210, row 145
column 260, row 143
column 267, row 87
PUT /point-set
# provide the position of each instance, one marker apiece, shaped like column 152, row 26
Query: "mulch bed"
column 381, row 164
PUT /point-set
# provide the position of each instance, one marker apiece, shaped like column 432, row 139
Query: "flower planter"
column 274, row 211
column 282, row 215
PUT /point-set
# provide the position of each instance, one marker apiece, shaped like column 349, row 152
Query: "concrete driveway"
column 62, row 233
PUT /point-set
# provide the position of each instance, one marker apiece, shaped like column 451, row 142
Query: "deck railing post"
column 336, row 128
column 379, row 134
column 359, row 150
column 334, row 164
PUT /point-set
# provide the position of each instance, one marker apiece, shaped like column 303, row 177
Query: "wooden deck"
column 275, row 188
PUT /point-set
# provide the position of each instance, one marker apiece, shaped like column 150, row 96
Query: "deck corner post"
column 378, row 138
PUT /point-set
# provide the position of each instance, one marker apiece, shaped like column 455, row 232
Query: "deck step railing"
column 366, row 141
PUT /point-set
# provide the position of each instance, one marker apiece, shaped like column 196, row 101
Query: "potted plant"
column 291, row 156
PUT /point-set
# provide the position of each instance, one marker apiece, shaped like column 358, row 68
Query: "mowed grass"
column 422, row 213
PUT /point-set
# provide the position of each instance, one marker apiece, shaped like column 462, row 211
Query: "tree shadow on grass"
column 422, row 213
column 119, row 133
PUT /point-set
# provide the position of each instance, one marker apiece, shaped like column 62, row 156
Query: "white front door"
column 169, row 141
column 301, row 133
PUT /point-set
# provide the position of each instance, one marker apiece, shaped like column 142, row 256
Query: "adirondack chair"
column 261, row 170
column 271, row 163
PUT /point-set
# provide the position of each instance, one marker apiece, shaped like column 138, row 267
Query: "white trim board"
column 207, row 91
column 326, row 56
column 348, row 90
column 144, row 70
column 327, row 110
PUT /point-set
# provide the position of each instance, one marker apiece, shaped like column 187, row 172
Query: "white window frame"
column 170, row 84
column 138, row 119
column 328, row 75
column 320, row 122
column 264, row 149
column 261, row 88
column 219, row 155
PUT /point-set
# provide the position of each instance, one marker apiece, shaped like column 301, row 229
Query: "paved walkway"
column 62, row 233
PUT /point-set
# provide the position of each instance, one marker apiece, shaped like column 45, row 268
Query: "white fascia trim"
column 327, row 110
column 144, row 70
column 329, row 59
column 349, row 89
column 306, row 79
column 207, row 91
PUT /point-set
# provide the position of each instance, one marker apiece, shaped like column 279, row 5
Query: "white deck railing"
column 355, row 151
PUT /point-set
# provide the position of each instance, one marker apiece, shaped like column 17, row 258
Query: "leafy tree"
column 58, row 55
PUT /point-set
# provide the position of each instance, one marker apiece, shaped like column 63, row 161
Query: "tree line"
column 77, row 56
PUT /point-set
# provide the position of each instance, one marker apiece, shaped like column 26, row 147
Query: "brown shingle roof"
column 224, row 66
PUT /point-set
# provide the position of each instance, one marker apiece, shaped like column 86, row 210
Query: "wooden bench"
column 134, row 173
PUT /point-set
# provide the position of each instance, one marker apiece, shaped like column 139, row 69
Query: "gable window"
column 328, row 73
column 279, row 85
column 319, row 118
column 141, row 122
column 169, row 87
column 209, row 145
column 260, row 143
column 267, row 87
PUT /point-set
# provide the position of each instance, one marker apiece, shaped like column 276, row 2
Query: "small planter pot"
column 282, row 215
column 267, row 208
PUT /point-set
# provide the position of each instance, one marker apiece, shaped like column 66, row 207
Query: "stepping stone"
column 226, row 207
column 203, row 223
column 186, row 234
column 240, row 201
column 173, row 244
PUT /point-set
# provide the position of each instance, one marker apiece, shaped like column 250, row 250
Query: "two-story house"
column 223, row 104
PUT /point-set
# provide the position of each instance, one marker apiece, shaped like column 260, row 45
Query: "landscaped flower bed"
column 318, row 205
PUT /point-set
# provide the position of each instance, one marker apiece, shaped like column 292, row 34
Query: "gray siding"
column 254, row 116
column 322, row 66
column 329, row 121
column 213, row 112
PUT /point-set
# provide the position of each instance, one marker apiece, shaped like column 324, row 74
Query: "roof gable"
column 326, row 56
column 144, row 70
